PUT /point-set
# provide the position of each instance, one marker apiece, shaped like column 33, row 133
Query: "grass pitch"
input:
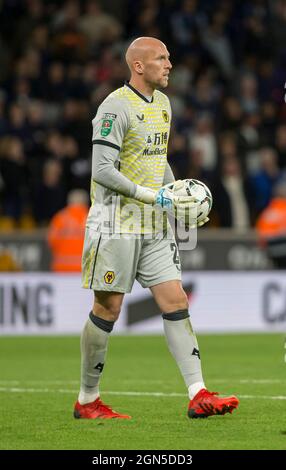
column 40, row 378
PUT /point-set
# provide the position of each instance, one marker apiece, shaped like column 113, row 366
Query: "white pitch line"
column 250, row 381
column 41, row 382
column 76, row 382
column 138, row 394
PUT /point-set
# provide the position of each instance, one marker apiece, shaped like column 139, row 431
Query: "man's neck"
column 143, row 88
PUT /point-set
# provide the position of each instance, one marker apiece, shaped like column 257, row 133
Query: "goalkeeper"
column 129, row 169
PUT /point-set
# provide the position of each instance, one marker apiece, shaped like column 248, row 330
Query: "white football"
column 199, row 190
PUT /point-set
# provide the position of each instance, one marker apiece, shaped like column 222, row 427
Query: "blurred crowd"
column 60, row 59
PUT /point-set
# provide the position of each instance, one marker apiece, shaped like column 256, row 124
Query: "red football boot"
column 96, row 410
column 207, row 403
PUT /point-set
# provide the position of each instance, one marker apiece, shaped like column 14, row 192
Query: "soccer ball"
column 197, row 189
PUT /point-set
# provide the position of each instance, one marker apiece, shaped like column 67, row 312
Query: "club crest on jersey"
column 165, row 115
column 107, row 123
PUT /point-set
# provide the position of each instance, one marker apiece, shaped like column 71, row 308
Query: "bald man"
column 129, row 173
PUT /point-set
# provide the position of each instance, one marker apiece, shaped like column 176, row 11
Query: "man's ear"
column 138, row 67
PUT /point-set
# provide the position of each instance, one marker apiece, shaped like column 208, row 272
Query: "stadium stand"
column 226, row 91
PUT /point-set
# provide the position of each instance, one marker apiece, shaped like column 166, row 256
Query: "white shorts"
column 110, row 264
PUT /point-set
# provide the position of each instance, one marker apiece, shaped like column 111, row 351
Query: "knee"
column 107, row 310
column 113, row 312
column 180, row 303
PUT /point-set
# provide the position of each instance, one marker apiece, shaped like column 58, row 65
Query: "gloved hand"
column 203, row 222
column 199, row 224
column 184, row 208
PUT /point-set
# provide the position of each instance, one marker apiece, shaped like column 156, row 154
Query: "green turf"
column 43, row 419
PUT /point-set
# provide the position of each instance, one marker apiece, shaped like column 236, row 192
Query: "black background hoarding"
column 215, row 250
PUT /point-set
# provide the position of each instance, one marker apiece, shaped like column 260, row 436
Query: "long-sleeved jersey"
column 130, row 139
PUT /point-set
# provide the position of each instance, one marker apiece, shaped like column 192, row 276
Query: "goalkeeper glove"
column 184, row 208
column 164, row 197
column 196, row 224
column 203, row 222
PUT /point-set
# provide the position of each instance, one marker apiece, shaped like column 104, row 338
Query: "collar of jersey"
column 138, row 92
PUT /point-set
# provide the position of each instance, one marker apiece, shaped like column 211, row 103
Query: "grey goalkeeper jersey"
column 130, row 138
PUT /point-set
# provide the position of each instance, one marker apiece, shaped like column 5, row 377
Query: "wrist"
column 145, row 195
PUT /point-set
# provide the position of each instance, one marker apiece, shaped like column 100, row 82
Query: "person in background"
column 66, row 233
column 265, row 178
column 231, row 191
column 49, row 193
column 271, row 226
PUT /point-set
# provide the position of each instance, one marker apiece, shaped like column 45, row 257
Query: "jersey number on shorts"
column 176, row 258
